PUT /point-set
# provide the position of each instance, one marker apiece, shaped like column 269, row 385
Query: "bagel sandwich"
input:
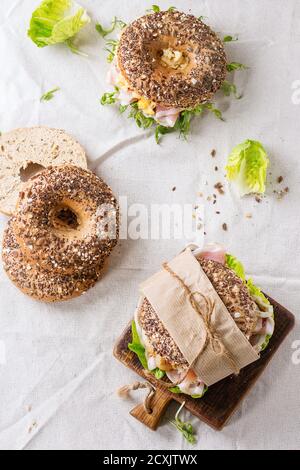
column 249, row 308
column 166, row 67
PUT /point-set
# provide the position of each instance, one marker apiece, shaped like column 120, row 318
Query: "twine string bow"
column 212, row 337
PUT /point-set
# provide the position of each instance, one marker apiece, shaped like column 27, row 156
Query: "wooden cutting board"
column 222, row 399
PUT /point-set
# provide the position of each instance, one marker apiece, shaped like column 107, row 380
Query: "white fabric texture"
column 58, row 375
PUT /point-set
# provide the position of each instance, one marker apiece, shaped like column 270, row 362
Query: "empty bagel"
column 39, row 284
column 67, row 220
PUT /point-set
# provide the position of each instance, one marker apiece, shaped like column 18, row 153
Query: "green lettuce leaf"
column 201, row 396
column 247, row 167
column 158, row 373
column 56, row 21
column 137, row 347
column 266, row 343
column 177, row 390
column 235, row 265
column 256, row 291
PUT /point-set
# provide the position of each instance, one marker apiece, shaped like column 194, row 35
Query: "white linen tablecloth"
column 58, row 376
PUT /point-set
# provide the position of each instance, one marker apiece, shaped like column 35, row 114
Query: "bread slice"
column 23, row 152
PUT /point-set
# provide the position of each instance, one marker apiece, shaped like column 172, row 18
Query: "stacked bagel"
column 63, row 228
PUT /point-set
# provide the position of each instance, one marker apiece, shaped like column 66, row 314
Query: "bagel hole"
column 173, row 58
column 29, row 171
column 66, row 218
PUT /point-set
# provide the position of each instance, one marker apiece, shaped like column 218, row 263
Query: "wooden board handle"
column 159, row 405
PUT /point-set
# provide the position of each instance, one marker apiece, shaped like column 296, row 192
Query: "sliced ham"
column 167, row 116
column 192, row 385
column 112, row 75
column 176, row 376
column 212, row 251
column 151, row 362
column 125, row 97
column 270, row 325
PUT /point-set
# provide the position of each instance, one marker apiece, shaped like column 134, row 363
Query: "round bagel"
column 39, row 284
column 67, row 220
column 232, row 292
column 145, row 44
column 24, row 152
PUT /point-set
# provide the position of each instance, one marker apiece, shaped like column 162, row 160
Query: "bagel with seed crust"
column 172, row 59
column 26, row 151
column 67, row 220
column 39, row 284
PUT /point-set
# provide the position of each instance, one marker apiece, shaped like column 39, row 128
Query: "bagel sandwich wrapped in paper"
column 199, row 320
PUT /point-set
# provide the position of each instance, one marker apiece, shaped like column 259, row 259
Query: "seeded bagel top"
column 139, row 59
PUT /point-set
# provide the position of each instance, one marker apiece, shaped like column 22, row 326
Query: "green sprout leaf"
column 154, row 8
column 185, row 428
column 162, row 130
column 123, row 108
column 235, row 66
column 111, row 48
column 230, row 38
column 210, row 107
column 230, row 89
column 141, row 120
column 109, row 97
column 49, row 95
column 183, row 123
column 116, row 23
column 56, row 21
column 172, row 8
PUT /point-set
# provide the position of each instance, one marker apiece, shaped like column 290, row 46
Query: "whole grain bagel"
column 67, row 220
column 148, row 41
column 24, row 152
column 40, row 284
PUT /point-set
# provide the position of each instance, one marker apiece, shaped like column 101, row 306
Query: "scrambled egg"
column 122, row 83
column 145, row 105
column 174, row 59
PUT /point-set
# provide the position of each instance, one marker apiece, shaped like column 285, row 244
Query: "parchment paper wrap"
column 197, row 338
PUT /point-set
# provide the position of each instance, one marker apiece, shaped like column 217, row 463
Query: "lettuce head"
column 56, row 21
column 247, row 167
